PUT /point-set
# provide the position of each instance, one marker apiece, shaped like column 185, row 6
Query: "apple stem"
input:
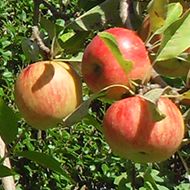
column 156, row 78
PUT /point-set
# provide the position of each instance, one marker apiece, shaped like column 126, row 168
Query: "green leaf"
column 5, row 171
column 152, row 98
column 157, row 10
column 174, row 12
column 112, row 44
column 52, row 28
column 148, row 178
column 176, row 39
column 30, row 49
column 82, row 110
column 73, row 42
column 98, row 17
column 46, row 161
column 77, row 58
column 155, row 94
column 8, row 123
column 90, row 120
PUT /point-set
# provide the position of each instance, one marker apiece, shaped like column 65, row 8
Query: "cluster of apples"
column 47, row 91
column 128, row 125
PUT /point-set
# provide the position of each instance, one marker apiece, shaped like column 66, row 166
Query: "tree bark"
column 8, row 182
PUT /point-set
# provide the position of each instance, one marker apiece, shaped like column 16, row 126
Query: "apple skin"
column 45, row 92
column 130, row 132
column 100, row 68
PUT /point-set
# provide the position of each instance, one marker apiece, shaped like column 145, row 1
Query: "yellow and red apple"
column 45, row 92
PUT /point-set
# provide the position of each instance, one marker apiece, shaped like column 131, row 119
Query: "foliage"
column 77, row 157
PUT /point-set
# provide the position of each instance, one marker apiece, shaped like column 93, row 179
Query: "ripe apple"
column 129, row 129
column 100, row 68
column 47, row 91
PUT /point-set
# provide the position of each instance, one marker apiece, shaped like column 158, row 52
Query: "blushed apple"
column 100, row 68
column 45, row 92
column 130, row 131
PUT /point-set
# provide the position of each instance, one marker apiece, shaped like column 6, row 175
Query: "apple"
column 46, row 92
column 100, row 68
column 131, row 133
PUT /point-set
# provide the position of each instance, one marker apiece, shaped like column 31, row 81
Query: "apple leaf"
column 175, row 39
column 5, row 171
column 90, row 120
column 151, row 179
column 46, row 161
column 186, row 115
column 52, row 28
column 82, row 110
column 8, row 123
column 152, row 98
column 155, row 94
column 174, row 12
column 77, row 58
column 157, row 10
column 30, row 49
column 98, row 17
column 157, row 115
column 112, row 44
column 73, row 42
column 185, row 95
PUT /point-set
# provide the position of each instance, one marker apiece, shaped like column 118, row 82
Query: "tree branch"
column 36, row 36
column 36, row 11
column 8, row 182
column 55, row 12
column 124, row 13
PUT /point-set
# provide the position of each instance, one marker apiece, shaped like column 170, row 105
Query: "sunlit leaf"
column 82, row 110
column 157, row 11
column 74, row 42
column 174, row 12
column 98, row 17
column 8, row 123
column 176, row 39
column 112, row 44
column 155, row 94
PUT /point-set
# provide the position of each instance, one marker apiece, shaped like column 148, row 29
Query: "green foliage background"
column 85, row 159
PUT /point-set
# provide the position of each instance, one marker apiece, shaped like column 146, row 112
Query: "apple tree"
column 86, row 147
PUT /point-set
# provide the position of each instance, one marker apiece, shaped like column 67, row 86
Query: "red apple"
column 131, row 133
column 45, row 92
column 100, row 68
